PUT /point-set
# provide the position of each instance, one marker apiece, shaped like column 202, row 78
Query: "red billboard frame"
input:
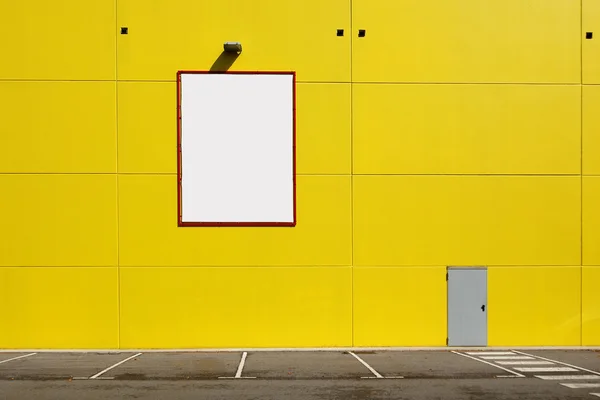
column 180, row 223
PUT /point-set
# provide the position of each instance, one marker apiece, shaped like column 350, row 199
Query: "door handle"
column 483, row 308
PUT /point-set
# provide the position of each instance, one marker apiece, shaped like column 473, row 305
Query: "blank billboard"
column 236, row 149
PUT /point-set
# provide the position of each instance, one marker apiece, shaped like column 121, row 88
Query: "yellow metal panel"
column 591, row 220
column 168, row 35
column 467, row 41
column 534, row 306
column 58, row 220
column 590, row 47
column 590, row 306
column 463, row 129
column 400, row 306
column 61, row 39
column 58, row 308
column 323, row 128
column 148, row 130
column 591, row 130
column 149, row 235
column 147, row 127
column 57, row 127
column 236, row 307
column 466, row 220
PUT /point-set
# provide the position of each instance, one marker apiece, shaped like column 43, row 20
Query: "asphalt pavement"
column 295, row 375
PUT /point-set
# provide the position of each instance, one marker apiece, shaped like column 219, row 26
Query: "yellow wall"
column 395, row 305
column 236, row 307
column 419, row 146
column 59, row 307
column 534, row 306
column 467, row 41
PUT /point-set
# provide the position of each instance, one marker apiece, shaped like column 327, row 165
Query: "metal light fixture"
column 232, row 47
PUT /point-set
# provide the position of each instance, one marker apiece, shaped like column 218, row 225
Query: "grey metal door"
column 467, row 306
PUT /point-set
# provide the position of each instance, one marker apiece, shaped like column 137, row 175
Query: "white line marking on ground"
column 233, row 377
column 16, row 358
column 238, row 374
column 377, row 374
column 489, row 363
column 385, row 377
column 559, row 362
column 114, row 366
column 534, row 362
column 490, row 353
column 507, row 358
column 567, row 377
column 581, row 385
column 507, row 376
column 84, row 378
column 546, row 369
column 595, row 394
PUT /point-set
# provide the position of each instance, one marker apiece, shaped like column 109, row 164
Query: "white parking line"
column 507, row 358
column 233, row 377
column 490, row 353
column 238, row 374
column 385, row 377
column 581, row 385
column 17, row 358
column 534, row 362
column 240, row 369
column 546, row 369
column 567, row 377
column 114, row 366
column 559, row 362
column 516, row 374
column 595, row 394
column 377, row 374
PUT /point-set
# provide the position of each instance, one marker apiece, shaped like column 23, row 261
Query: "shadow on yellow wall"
column 224, row 62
